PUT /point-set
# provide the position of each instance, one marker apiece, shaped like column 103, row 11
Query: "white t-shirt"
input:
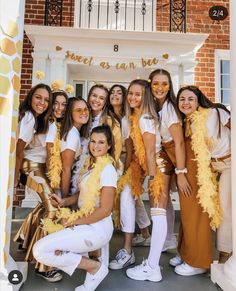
column 52, row 133
column 146, row 124
column 108, row 178
column 72, row 142
column 96, row 121
column 221, row 144
column 35, row 148
column 125, row 128
column 168, row 117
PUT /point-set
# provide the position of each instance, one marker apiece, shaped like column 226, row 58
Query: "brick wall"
column 34, row 14
column 198, row 21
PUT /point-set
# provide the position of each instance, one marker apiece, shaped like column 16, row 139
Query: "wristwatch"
column 181, row 171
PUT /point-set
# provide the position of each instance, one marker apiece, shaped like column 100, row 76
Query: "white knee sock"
column 170, row 215
column 159, row 231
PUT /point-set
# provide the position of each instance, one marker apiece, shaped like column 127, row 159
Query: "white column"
column 11, row 39
column 57, row 67
column 225, row 274
column 39, row 64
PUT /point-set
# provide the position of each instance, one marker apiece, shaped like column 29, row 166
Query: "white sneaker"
column 175, row 261
column 122, row 260
column 92, row 281
column 140, row 241
column 186, row 270
column 144, row 272
column 170, row 244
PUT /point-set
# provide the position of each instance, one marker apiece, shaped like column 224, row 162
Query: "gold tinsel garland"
column 156, row 185
column 89, row 202
column 55, row 163
column 208, row 194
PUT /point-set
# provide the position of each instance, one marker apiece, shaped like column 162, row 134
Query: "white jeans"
column 224, row 232
column 73, row 242
column 130, row 211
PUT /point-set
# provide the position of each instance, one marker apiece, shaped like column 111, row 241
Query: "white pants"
column 73, row 242
column 224, row 232
column 130, row 211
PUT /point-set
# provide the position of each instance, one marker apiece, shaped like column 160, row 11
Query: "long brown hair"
column 124, row 96
column 105, row 111
column 170, row 97
column 148, row 105
column 42, row 120
column 67, row 122
column 203, row 101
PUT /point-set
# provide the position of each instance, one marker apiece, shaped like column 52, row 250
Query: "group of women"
column 96, row 152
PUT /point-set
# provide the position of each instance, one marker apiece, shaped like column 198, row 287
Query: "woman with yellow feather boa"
column 90, row 227
column 97, row 100
column 207, row 130
column 147, row 144
column 31, row 157
column 127, row 209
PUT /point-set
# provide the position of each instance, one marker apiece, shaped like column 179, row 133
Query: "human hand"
column 183, row 185
column 56, row 201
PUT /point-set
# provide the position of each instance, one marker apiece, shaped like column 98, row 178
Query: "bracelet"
column 181, row 171
column 150, row 177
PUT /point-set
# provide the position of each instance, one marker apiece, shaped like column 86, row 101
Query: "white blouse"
column 221, row 144
column 35, row 148
column 168, row 117
column 108, row 178
column 72, row 142
column 147, row 124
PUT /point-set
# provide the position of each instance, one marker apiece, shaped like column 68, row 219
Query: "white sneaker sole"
column 144, row 278
column 119, row 267
column 196, row 272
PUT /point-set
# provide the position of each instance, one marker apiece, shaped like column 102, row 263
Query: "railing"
column 134, row 15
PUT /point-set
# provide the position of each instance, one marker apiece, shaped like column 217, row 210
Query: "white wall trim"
column 219, row 55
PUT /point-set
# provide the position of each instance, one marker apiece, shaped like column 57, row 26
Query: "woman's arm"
column 67, row 157
column 63, row 202
column 149, row 140
column 49, row 146
column 129, row 152
column 19, row 158
column 106, row 204
column 177, row 135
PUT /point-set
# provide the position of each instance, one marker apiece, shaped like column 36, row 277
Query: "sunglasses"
column 81, row 111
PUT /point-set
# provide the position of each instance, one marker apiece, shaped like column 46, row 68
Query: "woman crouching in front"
column 91, row 227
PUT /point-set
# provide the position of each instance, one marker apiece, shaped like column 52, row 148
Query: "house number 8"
column 116, row 48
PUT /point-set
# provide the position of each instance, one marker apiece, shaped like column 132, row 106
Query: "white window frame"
column 220, row 55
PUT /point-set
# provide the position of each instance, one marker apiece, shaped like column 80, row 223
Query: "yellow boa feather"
column 208, row 194
column 93, row 192
column 55, row 163
column 156, row 185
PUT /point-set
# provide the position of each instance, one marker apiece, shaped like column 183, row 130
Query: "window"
column 222, row 77
column 225, row 82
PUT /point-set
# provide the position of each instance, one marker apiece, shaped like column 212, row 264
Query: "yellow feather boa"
column 156, row 185
column 93, row 192
column 55, row 163
column 208, row 194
